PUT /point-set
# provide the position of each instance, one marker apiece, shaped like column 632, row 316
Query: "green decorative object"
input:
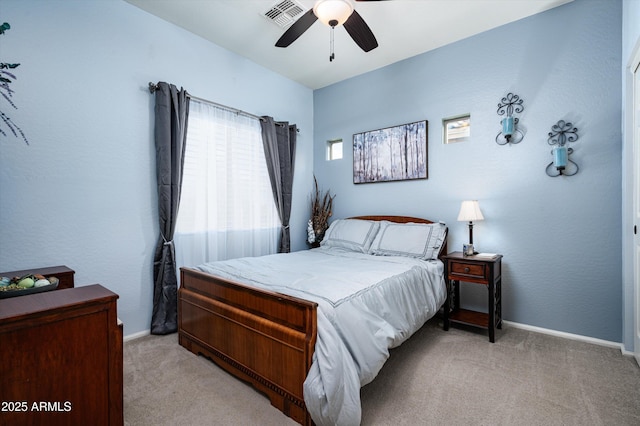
column 6, row 78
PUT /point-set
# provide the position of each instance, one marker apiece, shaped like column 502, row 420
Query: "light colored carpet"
column 435, row 378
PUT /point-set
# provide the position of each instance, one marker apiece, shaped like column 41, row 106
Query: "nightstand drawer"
column 468, row 270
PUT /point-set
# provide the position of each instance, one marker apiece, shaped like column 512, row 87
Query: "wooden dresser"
column 61, row 358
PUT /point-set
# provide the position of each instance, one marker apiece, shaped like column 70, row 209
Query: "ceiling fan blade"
column 360, row 32
column 297, row 29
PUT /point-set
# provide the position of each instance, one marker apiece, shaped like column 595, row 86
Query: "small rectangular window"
column 456, row 129
column 334, row 149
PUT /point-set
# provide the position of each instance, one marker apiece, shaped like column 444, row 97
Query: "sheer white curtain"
column 226, row 205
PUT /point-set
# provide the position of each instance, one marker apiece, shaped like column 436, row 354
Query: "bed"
column 305, row 348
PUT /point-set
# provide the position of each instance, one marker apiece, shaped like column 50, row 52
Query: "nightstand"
column 477, row 269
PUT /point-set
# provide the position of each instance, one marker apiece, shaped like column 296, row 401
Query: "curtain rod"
column 153, row 87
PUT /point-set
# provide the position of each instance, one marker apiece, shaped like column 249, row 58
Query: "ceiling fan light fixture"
column 334, row 12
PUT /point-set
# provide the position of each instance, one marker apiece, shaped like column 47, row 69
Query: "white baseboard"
column 136, row 335
column 570, row 336
column 548, row 331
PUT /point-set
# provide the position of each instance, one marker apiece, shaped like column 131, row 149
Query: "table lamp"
column 470, row 211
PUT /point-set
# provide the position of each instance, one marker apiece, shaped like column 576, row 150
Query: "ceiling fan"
column 333, row 13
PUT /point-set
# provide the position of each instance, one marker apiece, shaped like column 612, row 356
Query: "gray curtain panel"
column 279, row 139
column 171, row 111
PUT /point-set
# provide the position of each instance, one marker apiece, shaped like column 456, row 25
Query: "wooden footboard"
column 264, row 338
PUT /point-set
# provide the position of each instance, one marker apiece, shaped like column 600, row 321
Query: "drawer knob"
column 466, row 269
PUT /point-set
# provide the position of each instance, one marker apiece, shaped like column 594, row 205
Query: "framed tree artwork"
column 391, row 154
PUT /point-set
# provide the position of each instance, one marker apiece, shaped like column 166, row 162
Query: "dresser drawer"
column 462, row 270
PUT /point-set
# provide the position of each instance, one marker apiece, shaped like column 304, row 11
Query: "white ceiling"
column 403, row 28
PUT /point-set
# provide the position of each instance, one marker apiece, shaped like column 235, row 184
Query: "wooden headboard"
column 406, row 219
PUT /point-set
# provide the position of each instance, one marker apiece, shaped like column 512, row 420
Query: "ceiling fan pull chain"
column 331, row 47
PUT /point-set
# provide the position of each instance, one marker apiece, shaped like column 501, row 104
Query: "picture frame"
column 395, row 153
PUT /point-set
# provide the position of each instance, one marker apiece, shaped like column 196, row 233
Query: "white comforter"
column 366, row 305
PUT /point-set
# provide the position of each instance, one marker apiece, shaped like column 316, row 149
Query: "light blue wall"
column 83, row 192
column 560, row 237
column 630, row 28
column 630, row 42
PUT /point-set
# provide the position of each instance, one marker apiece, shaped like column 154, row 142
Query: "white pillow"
column 419, row 240
column 353, row 234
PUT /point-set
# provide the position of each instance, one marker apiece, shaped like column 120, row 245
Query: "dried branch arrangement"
column 321, row 211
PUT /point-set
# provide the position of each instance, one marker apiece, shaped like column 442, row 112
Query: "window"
column 456, row 129
column 227, row 208
column 334, row 149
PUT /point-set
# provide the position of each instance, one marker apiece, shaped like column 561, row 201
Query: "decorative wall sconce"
column 561, row 134
column 510, row 133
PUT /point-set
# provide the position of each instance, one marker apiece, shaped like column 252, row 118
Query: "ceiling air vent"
column 284, row 13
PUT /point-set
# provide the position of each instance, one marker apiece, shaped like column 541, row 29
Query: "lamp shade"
column 470, row 211
column 333, row 10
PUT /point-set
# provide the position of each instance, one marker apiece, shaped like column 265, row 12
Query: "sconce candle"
column 507, row 126
column 560, row 157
